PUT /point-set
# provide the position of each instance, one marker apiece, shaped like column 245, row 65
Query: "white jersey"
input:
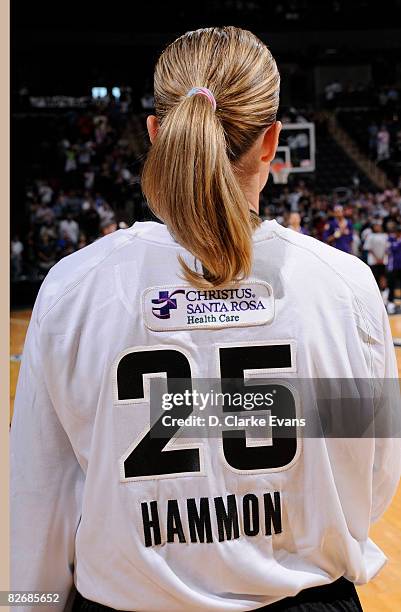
column 140, row 524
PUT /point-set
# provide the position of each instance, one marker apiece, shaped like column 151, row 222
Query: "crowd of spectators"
column 58, row 227
column 351, row 94
column 93, row 189
column 384, row 130
column 371, row 116
column 367, row 225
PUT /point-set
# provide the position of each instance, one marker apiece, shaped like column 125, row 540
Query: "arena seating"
column 357, row 122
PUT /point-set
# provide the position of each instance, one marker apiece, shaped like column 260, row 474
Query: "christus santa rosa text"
column 220, row 305
column 211, row 519
column 183, row 307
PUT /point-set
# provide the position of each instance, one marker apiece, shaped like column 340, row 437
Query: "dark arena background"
column 81, row 88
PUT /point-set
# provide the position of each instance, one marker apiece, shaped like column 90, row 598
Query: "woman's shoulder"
column 73, row 269
column 328, row 265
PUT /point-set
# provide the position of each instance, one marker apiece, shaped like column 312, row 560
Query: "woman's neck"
column 251, row 191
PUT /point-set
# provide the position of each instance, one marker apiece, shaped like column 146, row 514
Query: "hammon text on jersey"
column 193, row 520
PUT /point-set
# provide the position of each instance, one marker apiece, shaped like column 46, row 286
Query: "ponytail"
column 190, row 184
column 192, row 174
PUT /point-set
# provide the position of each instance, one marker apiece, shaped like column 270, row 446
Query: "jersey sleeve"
column 387, row 455
column 46, row 483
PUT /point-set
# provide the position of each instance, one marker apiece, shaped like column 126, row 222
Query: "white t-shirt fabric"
column 78, row 517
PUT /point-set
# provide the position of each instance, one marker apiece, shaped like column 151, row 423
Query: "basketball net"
column 280, row 171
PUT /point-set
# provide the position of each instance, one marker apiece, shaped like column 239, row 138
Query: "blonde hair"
column 191, row 175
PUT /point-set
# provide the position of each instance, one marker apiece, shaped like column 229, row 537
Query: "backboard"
column 296, row 152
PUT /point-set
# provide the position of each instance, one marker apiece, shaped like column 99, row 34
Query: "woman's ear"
column 153, row 126
column 270, row 142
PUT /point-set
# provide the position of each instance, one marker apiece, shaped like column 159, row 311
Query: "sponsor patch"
column 172, row 307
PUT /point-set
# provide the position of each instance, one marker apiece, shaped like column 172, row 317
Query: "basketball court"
column 382, row 594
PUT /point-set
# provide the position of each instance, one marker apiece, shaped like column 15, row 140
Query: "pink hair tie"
column 203, row 91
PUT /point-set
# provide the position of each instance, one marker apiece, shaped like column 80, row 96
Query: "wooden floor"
column 383, row 594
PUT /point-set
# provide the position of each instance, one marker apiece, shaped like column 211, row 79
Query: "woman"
column 294, row 223
column 376, row 245
column 138, row 519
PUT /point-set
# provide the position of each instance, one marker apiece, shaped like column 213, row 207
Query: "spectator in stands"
column 299, row 146
column 376, row 245
column 383, row 144
column 17, row 249
column 90, row 220
column 105, row 211
column 69, row 227
column 64, row 245
column 73, row 202
column 45, row 192
column 294, row 223
column 82, row 242
column 339, row 231
column 85, row 152
column 70, row 159
column 356, row 244
column 355, row 181
column 49, row 229
column 294, row 197
column 393, row 266
column 60, row 204
column 392, row 218
column 101, row 128
column 43, row 214
column 46, row 254
column 108, row 226
column 89, row 178
column 332, row 91
column 397, row 198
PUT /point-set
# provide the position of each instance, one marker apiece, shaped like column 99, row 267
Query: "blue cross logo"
column 165, row 304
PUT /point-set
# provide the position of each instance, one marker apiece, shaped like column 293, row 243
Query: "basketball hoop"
column 280, row 171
